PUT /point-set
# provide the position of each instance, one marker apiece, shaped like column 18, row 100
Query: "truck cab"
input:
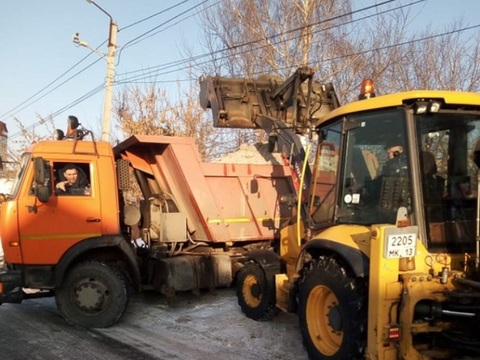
column 54, row 240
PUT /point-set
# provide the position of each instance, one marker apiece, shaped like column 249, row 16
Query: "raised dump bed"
column 221, row 202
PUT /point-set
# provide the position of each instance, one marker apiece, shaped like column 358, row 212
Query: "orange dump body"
column 222, row 202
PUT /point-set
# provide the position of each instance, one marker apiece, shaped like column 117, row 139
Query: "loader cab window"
column 373, row 184
column 447, row 142
column 324, row 178
column 72, row 179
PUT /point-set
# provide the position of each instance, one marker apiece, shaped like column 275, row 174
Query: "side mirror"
column 39, row 167
column 43, row 193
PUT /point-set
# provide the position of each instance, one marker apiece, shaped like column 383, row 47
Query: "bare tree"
column 344, row 46
column 27, row 136
column 270, row 36
column 248, row 38
column 150, row 111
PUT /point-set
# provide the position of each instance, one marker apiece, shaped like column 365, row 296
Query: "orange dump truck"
column 189, row 228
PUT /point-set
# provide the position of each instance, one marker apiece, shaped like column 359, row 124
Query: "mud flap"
column 11, row 286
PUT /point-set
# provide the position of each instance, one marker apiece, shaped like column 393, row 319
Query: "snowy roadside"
column 206, row 327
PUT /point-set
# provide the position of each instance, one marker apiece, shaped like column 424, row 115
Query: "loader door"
column 323, row 187
column 48, row 229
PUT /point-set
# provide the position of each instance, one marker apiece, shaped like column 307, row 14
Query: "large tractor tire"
column 92, row 295
column 332, row 312
column 255, row 297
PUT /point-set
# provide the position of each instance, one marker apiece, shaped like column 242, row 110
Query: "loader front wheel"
column 332, row 311
column 255, row 297
column 92, row 295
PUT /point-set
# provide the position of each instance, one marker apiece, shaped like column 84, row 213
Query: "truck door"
column 49, row 229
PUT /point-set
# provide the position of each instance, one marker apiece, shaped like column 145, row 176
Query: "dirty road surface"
column 206, row 326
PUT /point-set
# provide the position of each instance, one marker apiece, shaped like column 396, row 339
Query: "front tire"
column 92, row 295
column 255, row 297
column 332, row 311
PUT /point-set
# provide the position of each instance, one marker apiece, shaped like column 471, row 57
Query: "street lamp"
column 112, row 45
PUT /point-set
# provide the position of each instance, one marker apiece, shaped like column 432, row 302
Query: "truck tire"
column 255, row 297
column 92, row 295
column 332, row 311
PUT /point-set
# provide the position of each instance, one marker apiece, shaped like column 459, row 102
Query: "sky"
column 37, row 49
column 43, row 73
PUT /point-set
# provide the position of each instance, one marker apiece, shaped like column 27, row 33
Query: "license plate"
column 400, row 243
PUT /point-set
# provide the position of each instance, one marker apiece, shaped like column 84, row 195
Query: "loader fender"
column 267, row 259
column 354, row 258
column 86, row 246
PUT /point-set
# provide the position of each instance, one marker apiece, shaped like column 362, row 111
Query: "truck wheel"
column 255, row 297
column 92, row 295
column 332, row 312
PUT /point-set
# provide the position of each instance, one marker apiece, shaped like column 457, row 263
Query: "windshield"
column 449, row 177
column 375, row 180
column 20, row 173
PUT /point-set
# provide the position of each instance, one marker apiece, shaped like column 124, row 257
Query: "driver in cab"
column 73, row 182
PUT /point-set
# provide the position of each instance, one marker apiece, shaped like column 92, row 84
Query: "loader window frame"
column 323, row 190
column 450, row 137
column 368, row 194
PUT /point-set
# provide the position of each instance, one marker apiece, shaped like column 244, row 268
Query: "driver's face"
column 394, row 149
column 71, row 175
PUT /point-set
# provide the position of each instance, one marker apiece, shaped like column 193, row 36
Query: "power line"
column 56, row 87
column 32, row 99
column 409, row 42
column 155, row 70
column 153, row 15
column 142, row 37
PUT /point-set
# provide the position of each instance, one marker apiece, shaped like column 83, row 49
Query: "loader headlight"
column 426, row 106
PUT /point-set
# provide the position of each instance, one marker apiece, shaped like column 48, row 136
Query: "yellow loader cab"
column 382, row 259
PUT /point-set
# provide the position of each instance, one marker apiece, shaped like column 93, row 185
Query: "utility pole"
column 107, row 102
column 110, row 77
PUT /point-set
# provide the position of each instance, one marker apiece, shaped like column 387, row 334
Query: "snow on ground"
column 210, row 326
column 252, row 154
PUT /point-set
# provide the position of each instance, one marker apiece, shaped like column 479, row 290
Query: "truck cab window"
column 72, row 179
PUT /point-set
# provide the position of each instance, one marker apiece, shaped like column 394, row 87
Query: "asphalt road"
column 207, row 326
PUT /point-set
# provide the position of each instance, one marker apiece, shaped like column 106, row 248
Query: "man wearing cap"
column 396, row 164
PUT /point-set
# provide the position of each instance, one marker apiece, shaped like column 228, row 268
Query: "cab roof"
column 100, row 148
column 450, row 99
